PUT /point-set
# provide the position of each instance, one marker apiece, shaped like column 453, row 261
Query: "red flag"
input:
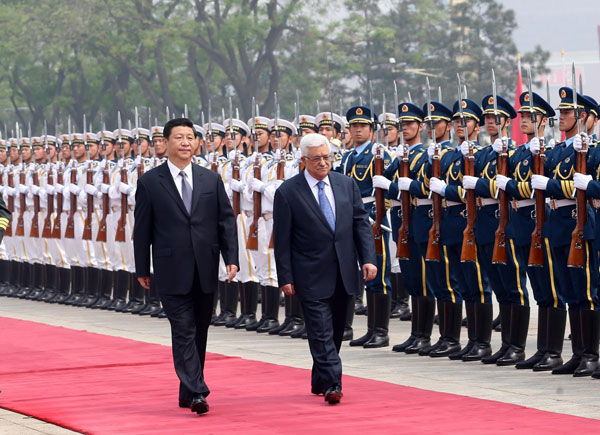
column 517, row 136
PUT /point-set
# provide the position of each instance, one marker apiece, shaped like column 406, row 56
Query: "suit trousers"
column 325, row 320
column 189, row 316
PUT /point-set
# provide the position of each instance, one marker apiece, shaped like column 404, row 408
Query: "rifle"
column 402, row 248
column 87, row 227
column 47, row 231
column 252, row 242
column 11, row 202
column 213, row 165
column 281, row 162
column 469, row 252
column 20, row 221
column 500, row 252
column 536, row 251
column 101, row 236
column 70, row 230
column 379, row 195
column 433, row 244
column 235, row 166
column 120, row 235
column 56, row 232
column 576, row 252
column 35, row 222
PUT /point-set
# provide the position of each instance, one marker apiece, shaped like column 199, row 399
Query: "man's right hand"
column 144, row 282
column 288, row 289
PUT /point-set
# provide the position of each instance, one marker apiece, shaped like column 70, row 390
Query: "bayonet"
column 384, row 124
column 167, row 112
column 373, row 118
column 69, row 133
column 440, row 94
column 463, row 121
column 396, row 104
column 531, row 108
column 409, row 97
column 429, row 118
column 577, row 112
column 494, row 97
column 550, row 120
column 231, row 133
column 185, row 111
column 277, row 131
column 253, row 124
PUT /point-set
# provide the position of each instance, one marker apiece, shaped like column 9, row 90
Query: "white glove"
column 277, row 155
column 138, row 161
column 577, row 142
column 124, row 188
column 469, row 182
column 10, row 191
column 499, row 144
column 74, row 189
column 534, row 146
column 374, row 148
column 50, row 189
column 257, row 185
column 379, row 181
column 581, row 181
column 550, row 143
column 23, row 188
column 90, row 189
column 298, row 154
column 539, row 182
column 464, row 148
column 404, row 183
column 231, row 155
column 431, row 150
column 66, row 191
column 104, row 188
column 436, row 185
column 277, row 183
column 59, row 188
column 501, row 181
column 35, row 189
column 210, row 157
column 236, row 185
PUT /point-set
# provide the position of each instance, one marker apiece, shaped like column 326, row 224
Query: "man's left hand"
column 232, row 271
column 369, row 271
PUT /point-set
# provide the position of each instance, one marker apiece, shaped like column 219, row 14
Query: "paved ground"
column 564, row 394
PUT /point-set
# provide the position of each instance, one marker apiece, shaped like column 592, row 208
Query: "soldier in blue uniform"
column 415, row 185
column 591, row 184
column 469, row 277
column 578, row 286
column 551, row 312
column 359, row 164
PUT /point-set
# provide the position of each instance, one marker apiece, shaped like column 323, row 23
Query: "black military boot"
column 229, row 302
column 484, row 317
column 399, row 297
column 271, row 309
column 542, row 332
column 426, row 312
column 261, row 296
column 519, row 326
column 471, row 334
column 105, row 287
column 590, row 335
column 63, row 285
column 27, row 278
column 381, row 323
column 4, row 276
column 51, row 283
column 288, row 317
column 223, row 289
column 137, row 295
column 152, row 307
column 556, row 322
column 249, row 305
column 438, row 319
column 121, row 291
column 348, row 331
column 359, row 308
column 88, row 288
column 296, row 317
column 497, row 323
column 570, row 366
column 414, row 328
column 38, row 282
column 370, row 322
column 115, row 294
column 76, row 286
column 15, row 279
column 450, row 315
column 93, row 287
column 504, row 333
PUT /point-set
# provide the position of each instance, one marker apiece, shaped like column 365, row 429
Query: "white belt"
column 558, row 203
column 368, row 199
column 522, row 203
column 447, row 204
column 482, row 202
column 422, row 201
column 395, row 203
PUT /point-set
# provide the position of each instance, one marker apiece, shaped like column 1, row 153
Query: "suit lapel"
column 169, row 184
column 197, row 175
column 337, row 189
column 308, row 197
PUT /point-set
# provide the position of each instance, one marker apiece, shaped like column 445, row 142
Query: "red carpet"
column 103, row 385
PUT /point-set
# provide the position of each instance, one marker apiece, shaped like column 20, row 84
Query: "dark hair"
column 177, row 122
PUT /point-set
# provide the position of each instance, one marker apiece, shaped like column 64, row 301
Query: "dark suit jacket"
column 307, row 252
column 180, row 241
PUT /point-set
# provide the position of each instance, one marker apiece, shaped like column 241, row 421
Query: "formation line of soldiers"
column 465, row 221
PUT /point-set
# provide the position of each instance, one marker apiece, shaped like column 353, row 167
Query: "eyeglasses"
column 317, row 159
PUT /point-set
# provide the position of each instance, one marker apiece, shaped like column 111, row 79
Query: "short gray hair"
column 312, row 140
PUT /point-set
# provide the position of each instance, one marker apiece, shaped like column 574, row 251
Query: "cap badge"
column 405, row 108
column 359, row 111
column 491, row 100
column 464, row 104
column 563, row 94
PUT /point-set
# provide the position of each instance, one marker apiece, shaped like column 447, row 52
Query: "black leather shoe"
column 299, row 333
column 295, row 326
column 417, row 345
column 569, row 367
column 531, row 361
column 478, row 351
column 402, row 346
column 333, row 395
column 199, row 405
column 459, row 354
column 549, row 361
column 348, row 334
column 446, row 348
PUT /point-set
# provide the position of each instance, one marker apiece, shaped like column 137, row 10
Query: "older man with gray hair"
column 322, row 235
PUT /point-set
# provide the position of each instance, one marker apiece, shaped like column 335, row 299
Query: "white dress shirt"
column 312, row 183
column 177, row 178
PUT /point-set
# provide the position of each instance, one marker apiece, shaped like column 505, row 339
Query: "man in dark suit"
column 322, row 234
column 183, row 213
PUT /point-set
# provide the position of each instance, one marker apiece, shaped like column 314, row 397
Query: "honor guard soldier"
column 330, row 125
column 571, row 239
column 359, row 165
column 5, row 259
column 307, row 124
column 160, row 145
column 592, row 121
column 198, row 146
